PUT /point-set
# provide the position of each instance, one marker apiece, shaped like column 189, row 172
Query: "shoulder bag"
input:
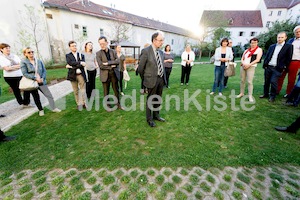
column 27, row 84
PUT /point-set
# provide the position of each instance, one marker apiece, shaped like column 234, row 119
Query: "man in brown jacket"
column 108, row 62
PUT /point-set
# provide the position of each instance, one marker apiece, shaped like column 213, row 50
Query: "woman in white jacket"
column 187, row 61
column 223, row 55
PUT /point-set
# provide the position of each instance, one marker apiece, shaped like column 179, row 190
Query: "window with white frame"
column 268, row 24
column 253, row 33
column 101, row 32
column 279, row 13
column 84, row 31
column 241, row 33
column 172, row 42
column 271, row 12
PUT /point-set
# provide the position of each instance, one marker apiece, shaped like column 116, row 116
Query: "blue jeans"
column 219, row 78
column 298, row 82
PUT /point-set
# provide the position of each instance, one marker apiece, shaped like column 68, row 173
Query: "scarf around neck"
column 251, row 52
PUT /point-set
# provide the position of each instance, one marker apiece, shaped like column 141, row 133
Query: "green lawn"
column 207, row 138
column 52, row 74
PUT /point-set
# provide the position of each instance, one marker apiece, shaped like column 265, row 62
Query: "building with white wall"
column 243, row 25
column 82, row 21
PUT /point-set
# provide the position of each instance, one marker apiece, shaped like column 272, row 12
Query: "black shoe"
column 288, row 103
column 284, row 129
column 2, row 115
column 271, row 100
column 263, row 96
column 151, row 123
column 8, row 138
column 159, row 119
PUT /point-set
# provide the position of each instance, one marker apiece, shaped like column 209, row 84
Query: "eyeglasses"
column 30, row 52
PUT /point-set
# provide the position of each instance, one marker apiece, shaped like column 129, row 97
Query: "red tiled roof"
column 281, row 3
column 293, row 3
column 231, row 18
column 113, row 14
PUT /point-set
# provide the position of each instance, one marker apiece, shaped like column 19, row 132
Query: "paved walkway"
column 16, row 113
column 267, row 183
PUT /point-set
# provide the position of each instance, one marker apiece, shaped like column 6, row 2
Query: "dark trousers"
column 112, row 78
column 142, row 84
column 168, row 72
column 157, row 90
column 121, row 81
column 225, row 81
column 294, row 96
column 14, row 82
column 185, row 73
column 36, row 98
column 271, row 78
column 46, row 92
column 294, row 127
column 2, row 136
column 91, row 84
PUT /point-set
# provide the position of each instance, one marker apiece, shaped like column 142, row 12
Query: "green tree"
column 120, row 29
column 218, row 34
column 270, row 37
column 32, row 28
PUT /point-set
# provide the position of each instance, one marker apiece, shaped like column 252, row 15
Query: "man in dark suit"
column 108, row 62
column 277, row 60
column 293, row 128
column 152, row 72
column 76, row 74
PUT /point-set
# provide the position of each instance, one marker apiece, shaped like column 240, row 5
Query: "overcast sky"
column 184, row 14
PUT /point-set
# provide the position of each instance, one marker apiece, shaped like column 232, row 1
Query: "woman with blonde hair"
column 34, row 69
column 187, row 61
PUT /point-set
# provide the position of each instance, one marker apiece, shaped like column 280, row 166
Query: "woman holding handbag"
column 223, row 55
column 34, row 69
column 250, row 58
column 12, row 73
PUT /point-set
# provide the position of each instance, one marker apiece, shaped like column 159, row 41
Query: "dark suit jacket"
column 71, row 60
column 112, row 64
column 148, row 67
column 284, row 57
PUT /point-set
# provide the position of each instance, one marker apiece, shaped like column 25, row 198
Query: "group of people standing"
column 82, row 70
column 30, row 67
column 154, row 67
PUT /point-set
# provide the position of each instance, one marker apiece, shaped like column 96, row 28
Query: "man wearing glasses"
column 152, row 72
column 108, row 62
column 76, row 74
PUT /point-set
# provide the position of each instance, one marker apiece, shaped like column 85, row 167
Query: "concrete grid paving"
column 274, row 182
column 165, row 183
